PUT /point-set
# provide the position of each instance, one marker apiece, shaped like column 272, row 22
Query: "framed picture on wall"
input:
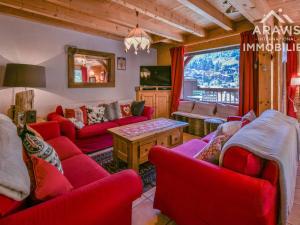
column 121, row 63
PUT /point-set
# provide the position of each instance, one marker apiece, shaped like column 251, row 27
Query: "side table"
column 211, row 125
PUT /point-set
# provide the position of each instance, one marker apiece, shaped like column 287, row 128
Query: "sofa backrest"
column 242, row 161
column 226, row 110
column 185, row 106
column 204, row 108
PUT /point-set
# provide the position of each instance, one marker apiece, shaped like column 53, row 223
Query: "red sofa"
column 94, row 137
column 194, row 192
column 98, row 198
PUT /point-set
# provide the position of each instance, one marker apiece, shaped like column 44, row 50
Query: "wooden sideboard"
column 160, row 100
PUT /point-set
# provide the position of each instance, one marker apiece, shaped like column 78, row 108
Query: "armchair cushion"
column 9, row 205
column 204, row 108
column 226, row 110
column 47, row 130
column 242, row 161
column 82, row 170
column 191, row 148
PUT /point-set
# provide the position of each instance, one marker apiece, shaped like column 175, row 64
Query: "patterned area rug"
column 146, row 171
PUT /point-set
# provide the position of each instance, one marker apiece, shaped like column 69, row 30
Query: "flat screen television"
column 155, row 76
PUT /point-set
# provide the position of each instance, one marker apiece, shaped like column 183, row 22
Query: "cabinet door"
column 149, row 98
column 162, row 105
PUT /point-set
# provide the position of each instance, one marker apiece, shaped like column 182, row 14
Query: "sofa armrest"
column 101, row 202
column 48, row 130
column 207, row 186
column 148, row 112
column 67, row 128
column 234, row 118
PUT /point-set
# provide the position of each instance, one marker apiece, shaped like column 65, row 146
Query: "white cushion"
column 204, row 108
column 225, row 110
column 229, row 128
column 185, row 106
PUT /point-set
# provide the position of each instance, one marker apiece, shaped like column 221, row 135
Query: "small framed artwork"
column 121, row 63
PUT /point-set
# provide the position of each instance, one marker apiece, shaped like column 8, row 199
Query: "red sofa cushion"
column 95, row 129
column 243, row 161
column 8, row 205
column 190, row 148
column 47, row 130
column 95, row 143
column 82, row 170
column 130, row 119
column 64, row 147
column 49, row 181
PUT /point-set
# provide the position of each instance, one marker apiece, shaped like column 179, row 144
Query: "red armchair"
column 98, row 198
column 94, row 137
column 195, row 192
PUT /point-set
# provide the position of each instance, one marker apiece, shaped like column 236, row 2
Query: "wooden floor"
column 144, row 214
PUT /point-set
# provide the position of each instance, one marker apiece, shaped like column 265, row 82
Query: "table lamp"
column 24, row 75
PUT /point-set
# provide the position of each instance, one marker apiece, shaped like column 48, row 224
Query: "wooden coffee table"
column 132, row 143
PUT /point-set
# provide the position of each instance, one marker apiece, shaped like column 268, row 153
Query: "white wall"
column 27, row 42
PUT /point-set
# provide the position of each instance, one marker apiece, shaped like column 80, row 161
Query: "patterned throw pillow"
column 96, row 114
column 79, row 114
column 39, row 148
column 211, row 153
column 126, row 110
column 250, row 116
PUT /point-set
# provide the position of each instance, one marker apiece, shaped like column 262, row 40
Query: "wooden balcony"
column 221, row 95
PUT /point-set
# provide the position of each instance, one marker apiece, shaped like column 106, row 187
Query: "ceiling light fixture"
column 137, row 38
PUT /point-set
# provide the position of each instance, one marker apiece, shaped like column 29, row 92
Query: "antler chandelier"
column 137, row 38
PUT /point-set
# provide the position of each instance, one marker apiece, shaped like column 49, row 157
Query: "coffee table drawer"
column 163, row 140
column 144, row 151
column 175, row 137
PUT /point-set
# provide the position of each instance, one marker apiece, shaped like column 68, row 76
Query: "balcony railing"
column 222, row 95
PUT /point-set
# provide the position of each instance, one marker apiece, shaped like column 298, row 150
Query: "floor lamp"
column 24, row 75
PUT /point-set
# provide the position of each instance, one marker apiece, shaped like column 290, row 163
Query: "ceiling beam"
column 164, row 15
column 205, row 9
column 219, row 33
column 54, row 22
column 102, row 10
column 41, row 7
column 252, row 10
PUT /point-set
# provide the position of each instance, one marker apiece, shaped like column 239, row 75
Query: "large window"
column 212, row 76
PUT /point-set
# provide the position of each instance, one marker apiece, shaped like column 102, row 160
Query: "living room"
column 149, row 112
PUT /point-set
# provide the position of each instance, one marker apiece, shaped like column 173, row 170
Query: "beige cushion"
column 225, row 110
column 229, row 128
column 204, row 108
column 185, row 106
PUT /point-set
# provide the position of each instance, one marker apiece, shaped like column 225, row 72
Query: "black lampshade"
column 24, row 75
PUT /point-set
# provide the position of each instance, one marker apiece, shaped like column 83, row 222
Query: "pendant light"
column 137, row 38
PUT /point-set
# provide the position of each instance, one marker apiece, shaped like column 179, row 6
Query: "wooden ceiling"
column 168, row 21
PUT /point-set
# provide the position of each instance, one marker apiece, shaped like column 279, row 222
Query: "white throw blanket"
column 14, row 178
column 276, row 137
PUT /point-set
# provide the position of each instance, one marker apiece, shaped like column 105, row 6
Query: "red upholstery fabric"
column 148, row 112
column 177, row 69
column 94, row 138
column 107, row 201
column 95, row 129
column 67, row 128
column 190, row 148
column 209, row 194
column 82, row 170
column 96, row 143
column 130, row 119
column 291, row 71
column 271, row 172
column 8, row 205
column 59, row 110
column 209, row 137
column 248, row 91
column 242, row 161
column 234, row 118
column 47, row 130
column 64, row 148
column 49, row 181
